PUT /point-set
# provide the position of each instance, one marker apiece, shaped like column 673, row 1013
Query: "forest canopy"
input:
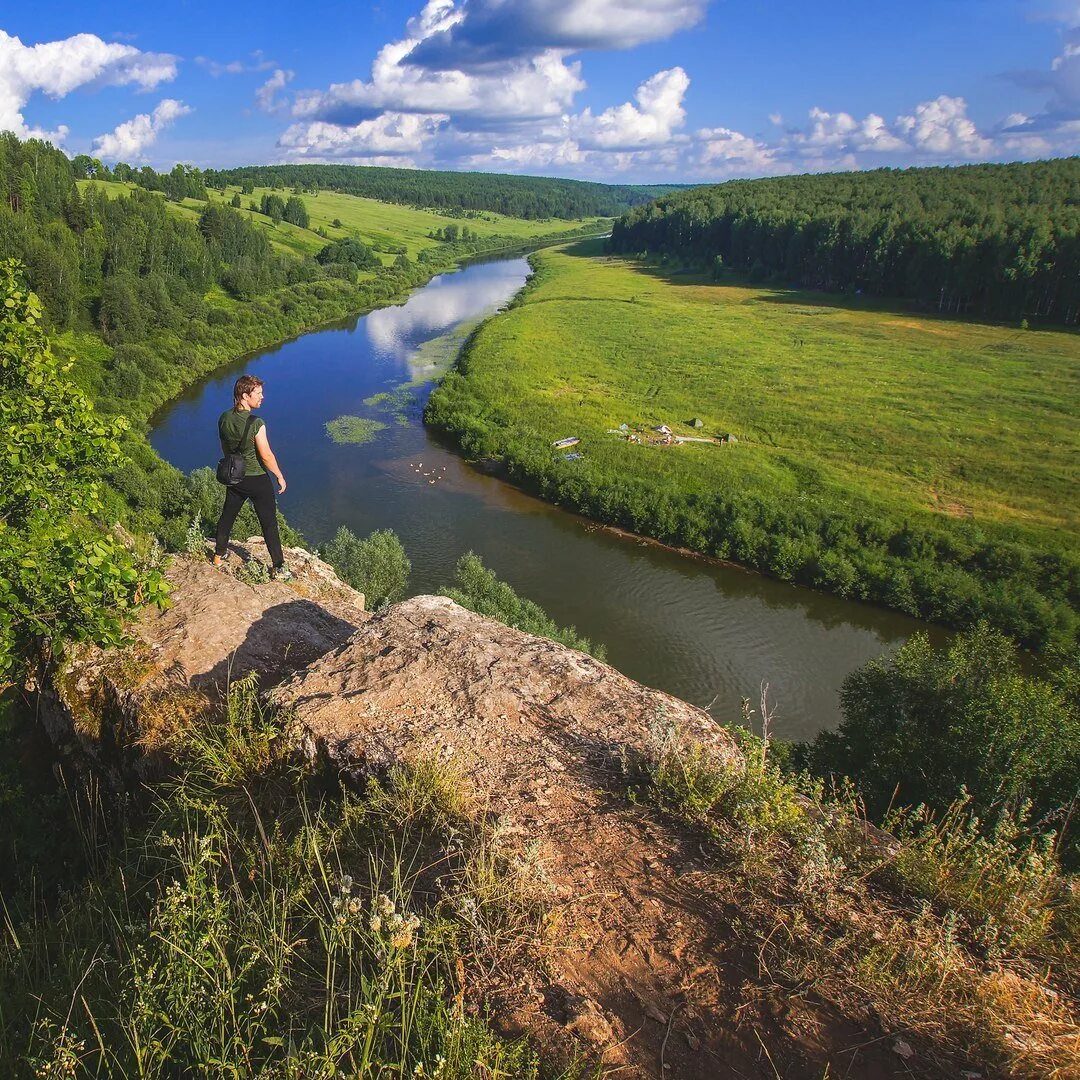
column 993, row 241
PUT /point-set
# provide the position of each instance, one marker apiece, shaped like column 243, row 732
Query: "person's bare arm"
column 266, row 456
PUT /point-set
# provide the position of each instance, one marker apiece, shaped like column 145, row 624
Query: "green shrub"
column 478, row 589
column 927, row 725
column 377, row 566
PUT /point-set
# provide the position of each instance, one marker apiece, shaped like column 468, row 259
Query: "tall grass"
column 253, row 927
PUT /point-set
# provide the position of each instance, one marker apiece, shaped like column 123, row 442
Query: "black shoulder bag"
column 231, row 468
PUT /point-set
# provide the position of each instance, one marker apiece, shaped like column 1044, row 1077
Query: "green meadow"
column 388, row 228
column 925, row 463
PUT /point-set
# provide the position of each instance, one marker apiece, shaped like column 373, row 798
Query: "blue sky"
column 620, row 90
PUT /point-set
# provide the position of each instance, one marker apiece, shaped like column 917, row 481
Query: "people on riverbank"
column 242, row 432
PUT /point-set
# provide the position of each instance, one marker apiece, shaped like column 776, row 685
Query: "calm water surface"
column 686, row 626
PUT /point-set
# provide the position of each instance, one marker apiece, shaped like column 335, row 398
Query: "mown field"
column 386, row 227
column 926, row 463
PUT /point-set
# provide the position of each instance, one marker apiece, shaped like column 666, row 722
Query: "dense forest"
column 527, row 197
column 994, row 241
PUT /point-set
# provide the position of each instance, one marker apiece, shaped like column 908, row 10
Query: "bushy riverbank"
column 917, row 463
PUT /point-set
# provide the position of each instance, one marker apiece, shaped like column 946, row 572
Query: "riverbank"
column 875, row 453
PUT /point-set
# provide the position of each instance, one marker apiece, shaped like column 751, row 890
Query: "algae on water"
column 353, row 429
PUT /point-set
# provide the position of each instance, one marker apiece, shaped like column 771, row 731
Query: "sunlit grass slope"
column 840, row 407
column 386, row 227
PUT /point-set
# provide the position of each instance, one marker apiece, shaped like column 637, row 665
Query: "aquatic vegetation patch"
column 354, row 429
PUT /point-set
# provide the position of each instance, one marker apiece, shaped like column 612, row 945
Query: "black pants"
column 260, row 490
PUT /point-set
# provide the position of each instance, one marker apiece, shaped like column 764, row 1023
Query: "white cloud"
column 496, row 76
column 266, row 95
column 651, row 122
column 842, row 130
column 730, row 152
column 534, row 87
column 57, row 68
column 474, row 34
column 386, row 137
column 132, row 137
column 942, row 126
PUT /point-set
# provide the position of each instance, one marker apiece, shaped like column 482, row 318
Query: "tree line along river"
column 702, row 631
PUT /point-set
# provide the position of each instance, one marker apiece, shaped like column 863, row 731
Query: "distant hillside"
column 518, row 196
column 999, row 241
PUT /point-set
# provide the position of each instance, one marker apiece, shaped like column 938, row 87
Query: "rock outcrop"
column 99, row 703
column 543, row 735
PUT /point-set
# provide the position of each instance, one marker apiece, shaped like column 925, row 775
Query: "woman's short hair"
column 244, row 385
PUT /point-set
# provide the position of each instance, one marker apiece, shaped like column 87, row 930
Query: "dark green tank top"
column 231, row 426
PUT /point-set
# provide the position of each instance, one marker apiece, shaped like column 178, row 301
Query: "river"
column 705, row 632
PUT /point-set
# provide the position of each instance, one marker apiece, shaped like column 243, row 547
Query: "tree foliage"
column 927, row 725
column 61, row 578
column 477, row 588
column 1000, row 241
column 377, row 566
column 348, row 252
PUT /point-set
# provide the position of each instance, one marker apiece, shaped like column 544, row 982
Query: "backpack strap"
column 244, row 433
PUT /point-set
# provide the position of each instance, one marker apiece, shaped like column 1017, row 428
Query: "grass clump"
column 249, row 928
column 478, row 589
column 1006, row 882
column 745, row 790
column 354, row 429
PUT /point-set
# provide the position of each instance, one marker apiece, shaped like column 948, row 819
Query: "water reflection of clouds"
column 397, row 331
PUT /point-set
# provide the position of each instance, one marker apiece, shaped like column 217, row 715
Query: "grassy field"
column 843, row 409
column 386, row 227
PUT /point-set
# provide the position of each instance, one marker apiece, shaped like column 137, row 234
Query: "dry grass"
column 965, row 946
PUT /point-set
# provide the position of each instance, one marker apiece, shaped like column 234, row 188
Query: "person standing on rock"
column 241, row 432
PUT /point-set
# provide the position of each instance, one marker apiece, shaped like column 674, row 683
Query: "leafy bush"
column 349, row 252
column 377, row 566
column 61, row 577
column 927, row 725
column 478, row 589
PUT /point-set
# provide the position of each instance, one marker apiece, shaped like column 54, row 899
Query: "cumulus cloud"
column 502, row 68
column 942, row 126
column 57, row 68
column 842, row 130
column 266, row 96
column 379, row 140
column 652, row 121
column 730, row 152
column 532, row 87
column 131, row 138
